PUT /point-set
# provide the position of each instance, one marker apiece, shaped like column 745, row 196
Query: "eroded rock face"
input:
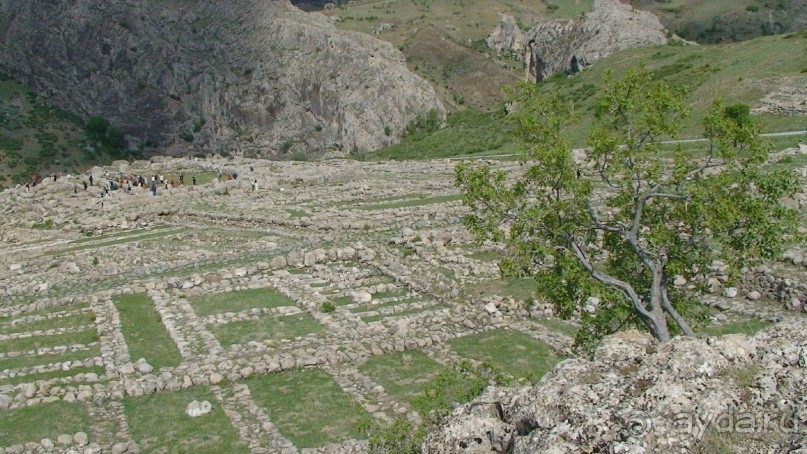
column 251, row 76
column 569, row 46
column 637, row 395
column 506, row 36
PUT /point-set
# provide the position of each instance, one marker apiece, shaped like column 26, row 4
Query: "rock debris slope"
column 727, row 394
column 252, row 76
column 569, row 46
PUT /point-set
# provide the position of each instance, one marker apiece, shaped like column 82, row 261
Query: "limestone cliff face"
column 252, row 76
column 555, row 47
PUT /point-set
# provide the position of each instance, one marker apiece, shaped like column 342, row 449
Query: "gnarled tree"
column 607, row 234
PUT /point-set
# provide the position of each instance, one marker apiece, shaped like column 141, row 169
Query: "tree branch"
column 637, row 217
column 609, row 281
column 668, row 307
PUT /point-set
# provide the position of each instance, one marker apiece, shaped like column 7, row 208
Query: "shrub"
column 100, row 130
column 752, row 8
column 44, row 225
column 327, row 307
column 299, row 156
column 429, row 123
column 97, row 127
column 197, row 126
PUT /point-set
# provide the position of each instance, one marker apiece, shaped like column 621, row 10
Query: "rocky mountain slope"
column 247, row 76
column 723, row 394
column 726, row 21
column 569, row 46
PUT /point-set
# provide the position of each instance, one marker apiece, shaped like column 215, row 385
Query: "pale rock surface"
column 360, row 297
column 636, row 395
column 197, row 408
column 569, row 46
column 143, row 367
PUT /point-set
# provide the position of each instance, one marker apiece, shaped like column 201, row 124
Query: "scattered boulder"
column 196, row 408
column 360, row 297
column 81, row 439
column 143, row 367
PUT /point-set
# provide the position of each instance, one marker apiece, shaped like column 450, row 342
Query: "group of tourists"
column 128, row 182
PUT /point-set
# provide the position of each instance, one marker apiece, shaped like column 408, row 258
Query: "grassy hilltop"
column 739, row 72
column 444, row 41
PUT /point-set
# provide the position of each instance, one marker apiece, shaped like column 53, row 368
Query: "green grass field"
column 71, row 321
column 158, row 423
column 467, row 133
column 748, row 327
column 266, row 328
column 308, row 407
column 36, row 342
column 726, row 20
column 558, row 326
column 30, row 361
column 111, row 236
column 49, row 420
column 520, row 289
column 375, row 307
column 215, row 303
column 404, row 375
column 511, row 351
column 144, row 331
column 31, row 378
column 375, row 318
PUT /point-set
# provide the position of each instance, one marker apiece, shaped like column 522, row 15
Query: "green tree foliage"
column 741, row 115
column 101, row 132
column 621, row 226
column 424, row 124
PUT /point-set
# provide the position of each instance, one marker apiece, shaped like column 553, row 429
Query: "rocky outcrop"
column 785, row 101
column 255, row 77
column 507, row 36
column 736, row 393
column 555, row 47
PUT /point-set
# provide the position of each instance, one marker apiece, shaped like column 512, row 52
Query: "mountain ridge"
column 254, row 78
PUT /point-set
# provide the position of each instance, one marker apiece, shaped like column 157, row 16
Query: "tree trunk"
column 666, row 304
column 659, row 320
